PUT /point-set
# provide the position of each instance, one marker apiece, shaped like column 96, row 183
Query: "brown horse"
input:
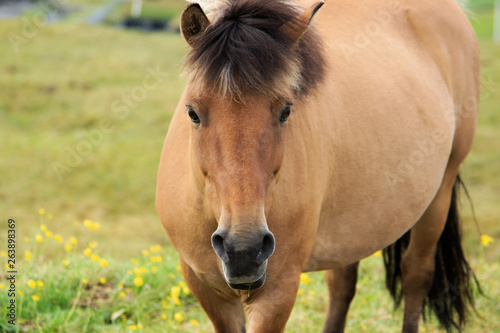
column 301, row 146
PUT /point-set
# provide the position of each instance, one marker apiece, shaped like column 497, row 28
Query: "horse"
column 309, row 137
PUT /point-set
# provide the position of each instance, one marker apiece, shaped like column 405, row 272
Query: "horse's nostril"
column 267, row 250
column 218, row 245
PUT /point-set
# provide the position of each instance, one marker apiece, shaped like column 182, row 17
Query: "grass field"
column 81, row 138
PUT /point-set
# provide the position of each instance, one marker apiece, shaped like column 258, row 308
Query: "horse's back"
column 401, row 97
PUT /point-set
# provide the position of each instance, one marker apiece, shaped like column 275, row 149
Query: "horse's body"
column 370, row 152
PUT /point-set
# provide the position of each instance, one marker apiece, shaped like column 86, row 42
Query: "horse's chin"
column 249, row 285
column 248, row 281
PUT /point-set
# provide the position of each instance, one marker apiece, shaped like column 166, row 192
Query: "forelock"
column 244, row 51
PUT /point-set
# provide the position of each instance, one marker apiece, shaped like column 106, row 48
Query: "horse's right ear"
column 193, row 22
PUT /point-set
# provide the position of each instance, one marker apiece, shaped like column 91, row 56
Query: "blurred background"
column 65, row 67
column 87, row 90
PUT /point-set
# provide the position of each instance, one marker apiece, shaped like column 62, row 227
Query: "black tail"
column 451, row 294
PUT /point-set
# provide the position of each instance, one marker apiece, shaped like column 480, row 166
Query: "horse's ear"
column 298, row 26
column 193, row 22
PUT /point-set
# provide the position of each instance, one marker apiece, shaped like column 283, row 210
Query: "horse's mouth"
column 249, row 286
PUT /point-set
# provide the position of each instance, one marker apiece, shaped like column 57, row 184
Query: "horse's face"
column 237, row 147
column 237, row 150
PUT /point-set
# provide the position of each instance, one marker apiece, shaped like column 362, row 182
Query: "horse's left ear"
column 298, row 26
column 193, row 22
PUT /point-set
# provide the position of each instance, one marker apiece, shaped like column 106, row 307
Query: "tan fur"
column 360, row 160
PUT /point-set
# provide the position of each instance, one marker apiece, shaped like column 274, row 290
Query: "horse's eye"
column 285, row 114
column 194, row 117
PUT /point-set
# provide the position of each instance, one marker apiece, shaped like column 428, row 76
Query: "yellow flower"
column 122, row 293
column 194, row 322
column 43, row 227
column 20, row 292
column 39, row 283
column 65, row 262
column 85, row 280
column 132, row 327
column 300, row 292
column 175, row 291
column 87, row 252
column 164, row 316
column 120, row 285
column 158, row 247
column 91, row 225
column 182, row 284
column 129, row 272
column 39, row 238
column 73, row 240
column 48, row 234
column 185, row 290
column 363, row 326
column 178, row 267
column 41, row 211
column 26, row 239
column 88, row 224
column 93, row 244
column 134, row 261
column 486, row 240
column 68, row 247
column 153, row 249
column 27, row 255
column 58, row 238
column 138, row 281
column 103, row 262
column 102, row 280
column 2, row 285
column 178, row 316
column 304, row 278
column 35, row 297
column 154, row 269
column 378, row 254
column 94, row 257
column 144, row 270
column 156, row 259
column 31, row 283
column 145, row 252
column 50, row 216
column 75, row 222
column 139, row 326
column 137, row 271
column 3, row 253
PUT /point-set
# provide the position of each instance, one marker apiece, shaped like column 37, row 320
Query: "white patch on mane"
column 211, row 7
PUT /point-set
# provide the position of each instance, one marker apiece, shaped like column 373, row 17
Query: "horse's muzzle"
column 244, row 260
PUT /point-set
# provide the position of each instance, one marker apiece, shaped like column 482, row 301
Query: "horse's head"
column 245, row 70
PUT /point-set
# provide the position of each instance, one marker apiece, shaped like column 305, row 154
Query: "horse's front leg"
column 342, row 287
column 269, row 308
column 226, row 314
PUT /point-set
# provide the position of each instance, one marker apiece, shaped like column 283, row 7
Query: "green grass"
column 58, row 87
column 67, row 285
